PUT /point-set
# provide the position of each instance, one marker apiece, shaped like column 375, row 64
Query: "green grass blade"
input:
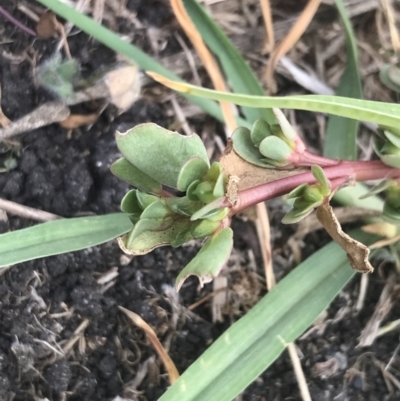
column 61, row 236
column 239, row 74
column 341, row 133
column 114, row 42
column 366, row 110
column 350, row 196
column 253, row 343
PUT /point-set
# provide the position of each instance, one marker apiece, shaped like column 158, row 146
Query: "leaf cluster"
column 156, row 162
column 387, row 146
column 308, row 197
column 264, row 145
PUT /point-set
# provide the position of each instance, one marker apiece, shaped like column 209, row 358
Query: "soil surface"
column 62, row 336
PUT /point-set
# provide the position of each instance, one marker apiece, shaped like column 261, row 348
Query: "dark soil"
column 43, row 302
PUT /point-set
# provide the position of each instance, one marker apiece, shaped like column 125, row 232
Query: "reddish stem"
column 17, row 23
column 346, row 170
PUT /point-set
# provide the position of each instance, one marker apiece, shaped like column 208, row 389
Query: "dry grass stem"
column 208, row 60
column 78, row 333
column 264, row 236
column 206, row 298
column 190, row 58
column 155, row 342
column 383, row 307
column 289, row 41
column 299, row 373
column 4, row 120
column 363, row 291
column 180, row 115
column 269, row 27
column 391, row 20
column 26, row 212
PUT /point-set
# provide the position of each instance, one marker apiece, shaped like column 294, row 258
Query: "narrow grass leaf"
column 254, row 342
column 341, row 133
column 61, row 236
column 239, row 74
column 366, row 110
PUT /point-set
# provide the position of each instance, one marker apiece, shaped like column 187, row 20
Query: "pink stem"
column 346, row 170
column 17, row 23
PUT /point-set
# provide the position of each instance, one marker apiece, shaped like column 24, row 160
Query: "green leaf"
column 254, row 342
column 376, row 189
column 275, row 149
column 119, row 45
column 259, row 131
column 160, row 153
column 341, row 133
column 209, row 261
column 60, row 236
column 207, row 209
column 240, row 76
column 377, row 112
column 59, row 76
column 385, row 78
column 184, row 205
column 194, row 169
column 245, row 148
column 320, row 176
column 295, row 193
column 219, row 188
column 145, row 199
column 130, row 203
column 133, row 176
column 393, row 138
column 352, row 196
column 204, row 228
column 394, row 74
column 391, row 214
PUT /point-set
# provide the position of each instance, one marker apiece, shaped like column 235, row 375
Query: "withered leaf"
column 47, row 25
column 357, row 253
column 77, row 120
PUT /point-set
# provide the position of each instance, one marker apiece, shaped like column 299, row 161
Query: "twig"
column 17, row 23
column 26, row 211
column 46, row 114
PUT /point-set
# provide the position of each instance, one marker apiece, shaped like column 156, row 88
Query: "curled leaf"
column 357, row 253
column 209, row 261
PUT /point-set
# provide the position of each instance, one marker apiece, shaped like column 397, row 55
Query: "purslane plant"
column 180, row 196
